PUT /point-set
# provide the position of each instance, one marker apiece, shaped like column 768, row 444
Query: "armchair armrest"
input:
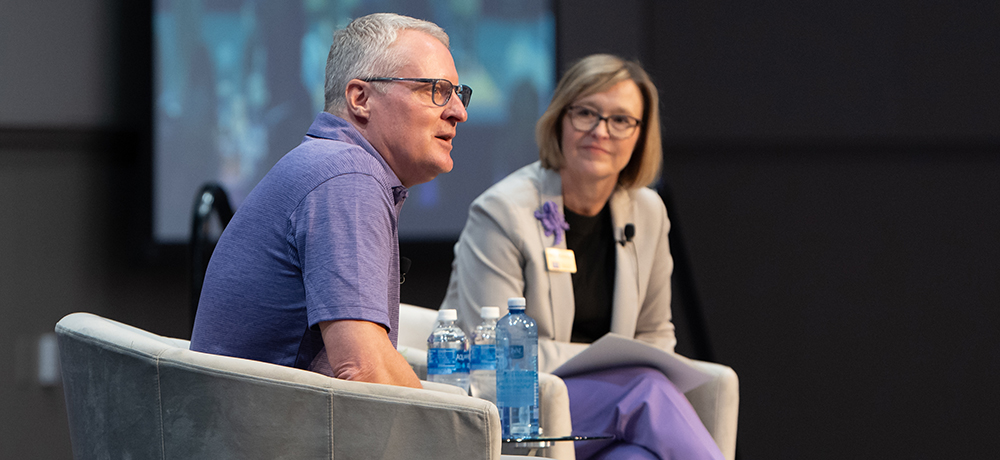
column 442, row 388
column 361, row 419
column 717, row 404
column 553, row 415
column 130, row 393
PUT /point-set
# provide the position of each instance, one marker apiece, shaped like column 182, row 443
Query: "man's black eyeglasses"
column 441, row 89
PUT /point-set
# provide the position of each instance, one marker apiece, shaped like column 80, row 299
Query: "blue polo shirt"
column 316, row 240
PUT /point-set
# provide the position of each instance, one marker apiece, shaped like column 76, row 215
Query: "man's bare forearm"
column 361, row 351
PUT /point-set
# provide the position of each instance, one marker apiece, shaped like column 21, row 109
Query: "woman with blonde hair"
column 599, row 149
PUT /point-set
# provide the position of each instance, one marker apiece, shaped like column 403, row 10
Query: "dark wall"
column 833, row 170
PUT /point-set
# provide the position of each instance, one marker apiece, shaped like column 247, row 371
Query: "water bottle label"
column 515, row 352
column 442, row 361
column 484, row 357
column 517, row 388
column 462, row 362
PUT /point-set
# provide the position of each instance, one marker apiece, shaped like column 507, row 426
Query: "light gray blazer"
column 501, row 254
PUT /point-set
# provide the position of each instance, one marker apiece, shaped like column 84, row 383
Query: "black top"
column 593, row 242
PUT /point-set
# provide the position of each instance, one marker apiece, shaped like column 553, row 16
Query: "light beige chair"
column 133, row 394
column 716, row 402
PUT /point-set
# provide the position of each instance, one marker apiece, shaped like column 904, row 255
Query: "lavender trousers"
column 649, row 417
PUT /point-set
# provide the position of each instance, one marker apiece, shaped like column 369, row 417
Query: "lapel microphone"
column 629, row 233
column 404, row 266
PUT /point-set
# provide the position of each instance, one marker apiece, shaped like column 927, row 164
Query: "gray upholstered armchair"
column 716, row 402
column 134, row 394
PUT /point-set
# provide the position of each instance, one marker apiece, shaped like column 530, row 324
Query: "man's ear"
column 358, row 97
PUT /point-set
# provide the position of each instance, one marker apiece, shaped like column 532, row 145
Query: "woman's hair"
column 594, row 74
column 363, row 50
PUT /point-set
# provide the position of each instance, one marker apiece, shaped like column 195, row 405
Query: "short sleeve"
column 342, row 233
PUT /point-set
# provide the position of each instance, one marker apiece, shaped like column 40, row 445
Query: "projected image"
column 240, row 81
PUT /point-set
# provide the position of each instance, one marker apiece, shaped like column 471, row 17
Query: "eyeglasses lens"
column 583, row 119
column 465, row 94
column 586, row 120
column 443, row 90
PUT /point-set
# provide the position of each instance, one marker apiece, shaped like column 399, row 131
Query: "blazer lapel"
column 560, row 283
column 625, row 308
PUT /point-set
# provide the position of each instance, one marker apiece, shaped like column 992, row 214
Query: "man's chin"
column 447, row 165
column 440, row 169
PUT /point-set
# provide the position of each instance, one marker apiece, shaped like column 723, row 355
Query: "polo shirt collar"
column 329, row 126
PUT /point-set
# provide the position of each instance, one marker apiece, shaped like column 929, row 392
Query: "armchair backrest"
column 415, row 325
column 134, row 394
column 210, row 200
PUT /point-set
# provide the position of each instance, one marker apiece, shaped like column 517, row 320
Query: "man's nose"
column 455, row 109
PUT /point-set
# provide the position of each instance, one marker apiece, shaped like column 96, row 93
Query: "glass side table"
column 540, row 442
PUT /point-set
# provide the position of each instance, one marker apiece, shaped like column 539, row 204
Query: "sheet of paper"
column 615, row 350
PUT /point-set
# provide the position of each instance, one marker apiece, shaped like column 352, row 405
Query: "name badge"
column 560, row 260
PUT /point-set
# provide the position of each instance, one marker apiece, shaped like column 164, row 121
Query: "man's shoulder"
column 322, row 158
column 306, row 169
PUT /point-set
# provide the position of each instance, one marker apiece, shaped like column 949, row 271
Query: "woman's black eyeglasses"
column 441, row 89
column 585, row 119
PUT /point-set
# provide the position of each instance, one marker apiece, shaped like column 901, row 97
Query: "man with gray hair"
column 307, row 272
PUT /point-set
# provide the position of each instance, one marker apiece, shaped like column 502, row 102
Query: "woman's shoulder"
column 648, row 210
column 646, row 199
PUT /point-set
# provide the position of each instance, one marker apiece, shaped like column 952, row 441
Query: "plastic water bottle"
column 517, row 372
column 448, row 352
column 483, row 359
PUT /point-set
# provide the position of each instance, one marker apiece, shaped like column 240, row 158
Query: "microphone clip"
column 628, row 233
column 404, row 266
